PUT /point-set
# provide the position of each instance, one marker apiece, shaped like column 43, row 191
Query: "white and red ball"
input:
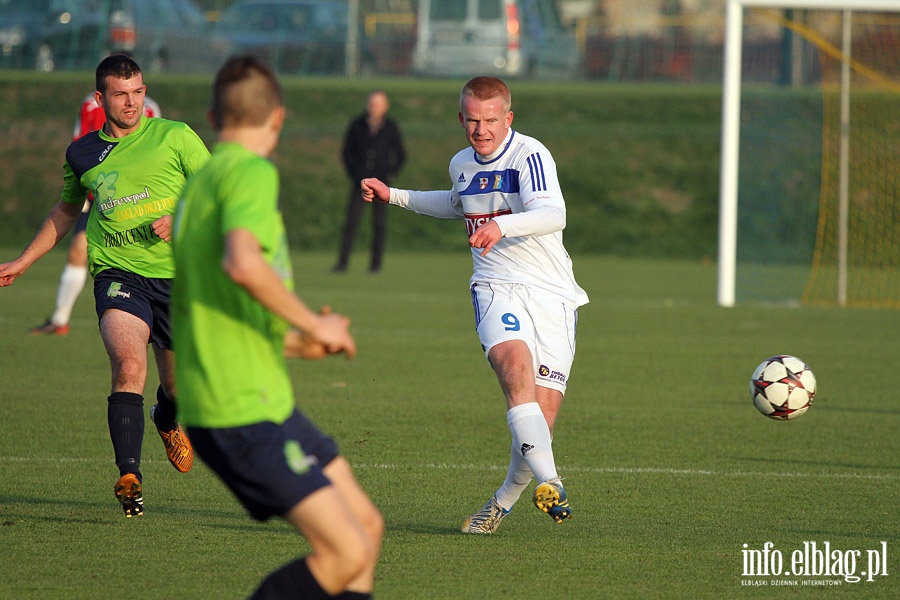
column 783, row 387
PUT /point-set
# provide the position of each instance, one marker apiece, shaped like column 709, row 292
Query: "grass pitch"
column 670, row 469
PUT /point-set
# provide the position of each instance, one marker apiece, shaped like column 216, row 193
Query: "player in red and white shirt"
column 90, row 118
column 524, row 292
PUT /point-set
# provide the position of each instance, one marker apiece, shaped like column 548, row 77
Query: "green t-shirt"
column 134, row 180
column 230, row 370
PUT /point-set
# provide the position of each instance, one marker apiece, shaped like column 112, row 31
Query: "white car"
column 507, row 38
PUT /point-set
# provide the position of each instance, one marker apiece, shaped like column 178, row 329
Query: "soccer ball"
column 783, row 387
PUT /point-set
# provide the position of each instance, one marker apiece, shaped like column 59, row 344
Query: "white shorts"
column 509, row 311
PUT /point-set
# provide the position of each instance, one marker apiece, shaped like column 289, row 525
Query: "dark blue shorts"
column 144, row 297
column 269, row 468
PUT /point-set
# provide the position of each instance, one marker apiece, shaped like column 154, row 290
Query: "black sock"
column 125, row 414
column 164, row 417
column 293, row 580
column 348, row 595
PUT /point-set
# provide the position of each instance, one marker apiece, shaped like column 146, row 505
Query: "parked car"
column 20, row 30
column 507, row 38
column 158, row 34
column 292, row 36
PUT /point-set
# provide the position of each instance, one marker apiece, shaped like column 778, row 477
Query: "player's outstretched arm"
column 375, row 189
column 60, row 220
column 298, row 344
column 245, row 265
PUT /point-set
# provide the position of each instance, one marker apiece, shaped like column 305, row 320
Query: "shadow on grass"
column 423, row 528
column 15, row 509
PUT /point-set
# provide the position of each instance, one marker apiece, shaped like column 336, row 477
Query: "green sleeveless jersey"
column 230, row 367
column 135, row 180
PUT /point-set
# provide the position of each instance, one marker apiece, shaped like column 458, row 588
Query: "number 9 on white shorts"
column 509, row 311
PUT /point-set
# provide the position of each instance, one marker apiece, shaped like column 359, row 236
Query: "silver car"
column 171, row 35
column 507, row 38
column 21, row 23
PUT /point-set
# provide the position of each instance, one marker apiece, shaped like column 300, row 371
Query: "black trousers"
column 355, row 207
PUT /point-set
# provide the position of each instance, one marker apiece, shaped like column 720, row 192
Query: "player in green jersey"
column 135, row 167
column 235, row 315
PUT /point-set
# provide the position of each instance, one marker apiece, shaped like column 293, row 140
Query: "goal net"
column 809, row 206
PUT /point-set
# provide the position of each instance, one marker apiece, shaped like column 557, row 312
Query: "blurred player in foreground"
column 524, row 293
column 91, row 117
column 135, row 168
column 234, row 317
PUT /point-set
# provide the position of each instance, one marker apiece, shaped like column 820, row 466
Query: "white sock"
column 71, row 282
column 518, row 476
column 531, row 440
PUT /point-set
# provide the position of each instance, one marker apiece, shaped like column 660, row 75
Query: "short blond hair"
column 484, row 88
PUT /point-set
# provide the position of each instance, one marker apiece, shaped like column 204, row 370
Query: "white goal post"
column 731, row 97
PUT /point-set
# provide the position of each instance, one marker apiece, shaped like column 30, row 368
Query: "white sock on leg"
column 518, row 476
column 71, row 282
column 531, row 439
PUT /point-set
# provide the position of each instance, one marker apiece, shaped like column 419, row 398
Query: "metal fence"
column 185, row 35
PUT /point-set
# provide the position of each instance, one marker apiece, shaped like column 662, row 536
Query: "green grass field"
column 641, row 160
column 670, row 469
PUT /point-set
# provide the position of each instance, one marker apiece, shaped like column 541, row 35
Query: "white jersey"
column 518, row 188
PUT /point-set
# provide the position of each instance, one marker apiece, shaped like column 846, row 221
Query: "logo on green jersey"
column 104, row 186
column 297, row 460
column 115, row 291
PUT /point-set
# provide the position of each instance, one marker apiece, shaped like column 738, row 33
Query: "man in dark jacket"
column 373, row 147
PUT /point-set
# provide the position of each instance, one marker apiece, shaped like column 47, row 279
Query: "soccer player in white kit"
column 524, row 293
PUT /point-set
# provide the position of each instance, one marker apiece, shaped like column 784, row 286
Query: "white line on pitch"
column 648, row 470
column 561, row 469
